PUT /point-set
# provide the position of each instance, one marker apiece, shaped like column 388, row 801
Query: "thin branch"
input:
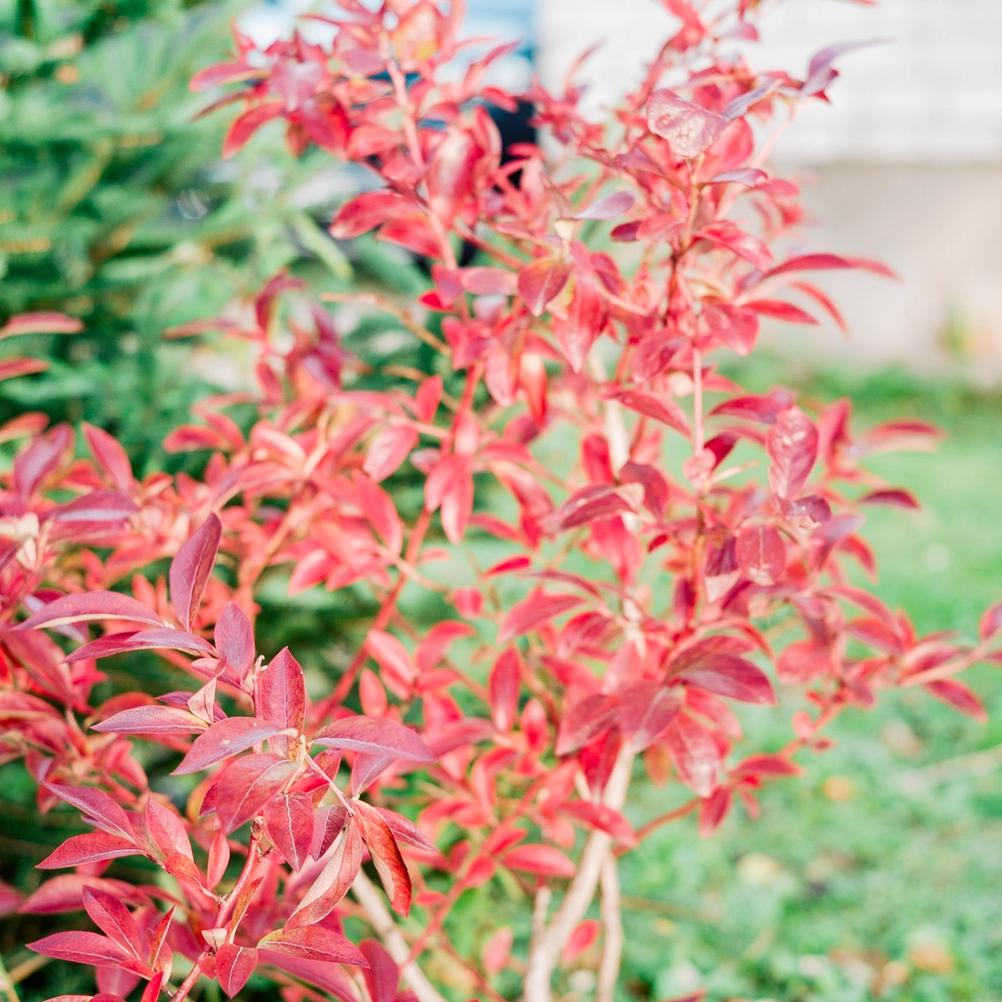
column 382, row 921
column 612, row 928
column 546, row 947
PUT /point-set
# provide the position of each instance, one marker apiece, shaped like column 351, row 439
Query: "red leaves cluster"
column 663, row 545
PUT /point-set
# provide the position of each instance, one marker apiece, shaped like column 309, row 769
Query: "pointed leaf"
column 314, row 943
column 288, row 820
column 91, row 847
column 223, row 739
column 375, row 736
column 190, row 569
column 89, row 606
column 281, row 695
column 234, row 965
column 689, row 129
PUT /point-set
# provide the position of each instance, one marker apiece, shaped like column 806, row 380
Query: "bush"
column 563, row 546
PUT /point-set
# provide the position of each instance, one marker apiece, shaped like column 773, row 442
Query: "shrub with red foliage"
column 664, row 544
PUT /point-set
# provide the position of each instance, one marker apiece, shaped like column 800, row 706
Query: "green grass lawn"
column 878, row 875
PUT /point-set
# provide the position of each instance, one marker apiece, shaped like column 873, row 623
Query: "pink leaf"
column 959, row 696
column 608, row 207
column 115, row 920
column 534, row 611
column 503, row 686
column 661, row 408
column 332, row 884
column 820, row 262
column 164, row 638
column 542, row 281
column 190, row 569
column 97, row 807
column 246, row 785
column 792, row 444
column 235, row 639
column 543, row 860
column 90, row 606
column 385, row 853
column 281, row 695
column 289, row 822
column 689, row 129
column 391, row 655
column 151, row 720
column 245, row 125
column 314, row 943
column 731, row 676
column 234, row 965
column 40, row 323
column 694, row 753
column 375, row 736
column 88, row 848
column 86, row 948
column 388, row 450
column 761, row 554
column 224, row 739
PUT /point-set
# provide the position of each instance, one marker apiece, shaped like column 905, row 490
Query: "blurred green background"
column 875, row 877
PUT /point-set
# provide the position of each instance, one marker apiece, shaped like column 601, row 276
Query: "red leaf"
column 503, row 686
column 542, row 860
column 818, row 262
column 190, row 569
column 281, row 695
column 235, row 639
column 792, row 444
column 150, row 720
column 896, row 498
column 224, row 739
column 662, row 408
column 314, row 943
column 387, row 451
column 646, row 709
column 86, row 948
column 959, row 696
column 115, row 921
column 88, row 848
column 332, row 884
column 731, row 676
column 289, row 822
column 383, row 976
column 391, row 655
column 779, row 310
column 375, row 736
column 234, row 965
column 585, row 720
column 161, row 638
column 450, row 486
column 761, row 554
column 245, row 125
column 542, row 281
column 534, row 611
column 386, row 857
column 689, row 129
column 97, row 807
column 97, row 506
column 64, row 893
column 608, row 207
column 40, row 323
column 92, row 605
column 694, row 753
column 366, row 212
column 246, row 785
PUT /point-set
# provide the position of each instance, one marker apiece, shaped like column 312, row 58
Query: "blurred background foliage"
column 117, row 210
column 876, row 878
